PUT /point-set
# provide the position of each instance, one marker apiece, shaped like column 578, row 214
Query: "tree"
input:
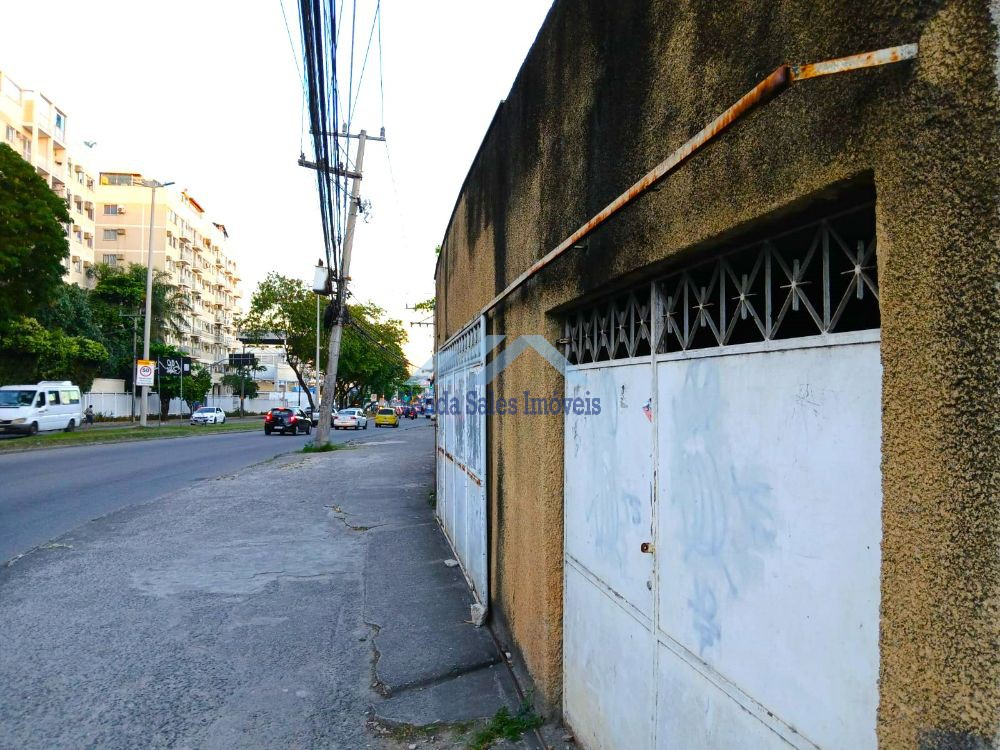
column 30, row 352
column 241, row 381
column 33, row 242
column 371, row 355
column 426, row 306
column 195, row 386
column 284, row 306
column 117, row 304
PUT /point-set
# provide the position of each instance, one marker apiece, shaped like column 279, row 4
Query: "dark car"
column 287, row 421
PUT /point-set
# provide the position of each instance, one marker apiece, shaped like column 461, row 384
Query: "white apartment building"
column 36, row 129
column 188, row 246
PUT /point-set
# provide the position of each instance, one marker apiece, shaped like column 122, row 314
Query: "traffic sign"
column 145, row 369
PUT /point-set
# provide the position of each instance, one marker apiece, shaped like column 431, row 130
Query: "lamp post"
column 321, row 286
column 144, row 400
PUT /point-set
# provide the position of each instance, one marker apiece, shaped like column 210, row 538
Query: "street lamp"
column 321, row 286
column 144, row 402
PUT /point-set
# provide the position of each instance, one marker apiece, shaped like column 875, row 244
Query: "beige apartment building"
column 35, row 128
column 187, row 245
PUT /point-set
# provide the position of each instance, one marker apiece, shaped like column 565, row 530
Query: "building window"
column 110, row 260
column 110, row 209
column 115, row 178
column 110, row 235
column 11, row 134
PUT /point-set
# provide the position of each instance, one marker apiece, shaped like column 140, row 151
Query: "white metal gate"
column 723, row 511
column 461, row 452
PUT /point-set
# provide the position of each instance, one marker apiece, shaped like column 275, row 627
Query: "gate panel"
column 608, row 645
column 461, row 463
column 769, row 526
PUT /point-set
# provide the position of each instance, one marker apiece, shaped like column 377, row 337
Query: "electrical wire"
column 364, row 63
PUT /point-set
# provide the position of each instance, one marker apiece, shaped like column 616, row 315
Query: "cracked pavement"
column 240, row 612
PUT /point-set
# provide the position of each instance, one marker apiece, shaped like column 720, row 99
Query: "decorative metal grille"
column 462, row 351
column 819, row 278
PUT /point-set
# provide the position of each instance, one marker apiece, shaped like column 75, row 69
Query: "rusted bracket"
column 760, row 94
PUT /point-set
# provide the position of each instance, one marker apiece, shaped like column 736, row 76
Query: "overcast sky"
column 206, row 93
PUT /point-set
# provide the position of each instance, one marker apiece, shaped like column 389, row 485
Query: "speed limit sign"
column 145, row 369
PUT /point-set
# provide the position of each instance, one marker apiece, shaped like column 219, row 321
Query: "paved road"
column 46, row 493
column 240, row 613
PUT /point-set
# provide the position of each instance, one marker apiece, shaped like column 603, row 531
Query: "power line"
column 364, row 63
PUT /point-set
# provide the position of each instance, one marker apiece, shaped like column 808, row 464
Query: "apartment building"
column 187, row 245
column 35, row 128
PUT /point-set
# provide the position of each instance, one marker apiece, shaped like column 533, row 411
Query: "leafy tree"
column 196, row 385
column 30, row 352
column 285, row 306
column 426, row 306
column 33, row 242
column 371, row 355
column 69, row 310
column 371, row 351
column 117, row 304
column 242, row 383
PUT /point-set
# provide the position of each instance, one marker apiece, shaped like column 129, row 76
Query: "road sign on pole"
column 145, row 369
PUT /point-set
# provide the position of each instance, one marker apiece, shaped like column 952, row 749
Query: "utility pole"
column 336, row 334
column 333, row 356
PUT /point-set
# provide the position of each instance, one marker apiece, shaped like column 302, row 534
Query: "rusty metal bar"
column 760, row 94
column 854, row 62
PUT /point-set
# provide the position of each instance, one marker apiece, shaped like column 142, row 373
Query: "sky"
column 208, row 94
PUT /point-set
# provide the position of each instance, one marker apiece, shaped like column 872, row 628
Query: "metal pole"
column 316, row 400
column 243, row 379
column 143, row 404
column 332, row 360
column 135, row 317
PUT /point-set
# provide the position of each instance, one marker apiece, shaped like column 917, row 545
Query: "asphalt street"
column 241, row 611
column 46, row 493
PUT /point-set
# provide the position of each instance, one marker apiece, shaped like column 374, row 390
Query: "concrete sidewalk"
column 301, row 603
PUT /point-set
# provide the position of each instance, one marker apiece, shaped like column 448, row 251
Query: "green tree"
column 285, row 306
column 371, row 354
column 30, row 352
column 426, row 306
column 242, row 382
column 117, row 304
column 33, row 242
column 196, row 386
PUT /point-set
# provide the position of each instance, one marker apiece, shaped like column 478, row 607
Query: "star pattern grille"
column 817, row 279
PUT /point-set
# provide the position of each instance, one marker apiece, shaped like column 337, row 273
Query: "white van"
column 49, row 405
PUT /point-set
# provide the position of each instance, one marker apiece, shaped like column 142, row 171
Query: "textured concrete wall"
column 608, row 90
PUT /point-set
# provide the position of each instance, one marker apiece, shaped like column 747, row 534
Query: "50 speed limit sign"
column 145, row 369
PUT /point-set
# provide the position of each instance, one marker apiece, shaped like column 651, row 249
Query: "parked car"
column 48, row 405
column 208, row 415
column 386, row 417
column 287, row 420
column 350, row 419
column 312, row 414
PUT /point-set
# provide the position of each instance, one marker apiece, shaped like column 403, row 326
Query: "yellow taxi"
column 386, row 417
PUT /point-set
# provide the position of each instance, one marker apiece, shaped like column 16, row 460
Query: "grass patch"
column 506, row 726
column 327, row 448
column 125, row 434
column 432, row 499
